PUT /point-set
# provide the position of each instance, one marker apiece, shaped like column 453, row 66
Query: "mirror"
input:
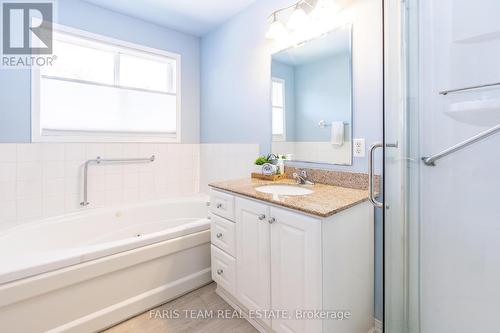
column 311, row 100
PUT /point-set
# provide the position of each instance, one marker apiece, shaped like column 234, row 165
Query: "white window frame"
column 279, row 138
column 106, row 136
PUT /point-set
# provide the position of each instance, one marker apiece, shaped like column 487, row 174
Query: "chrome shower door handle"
column 371, row 175
column 371, row 172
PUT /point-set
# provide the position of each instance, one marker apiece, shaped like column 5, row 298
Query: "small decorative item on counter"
column 281, row 165
column 261, row 160
column 269, row 169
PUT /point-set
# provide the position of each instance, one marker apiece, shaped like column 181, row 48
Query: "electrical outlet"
column 359, row 148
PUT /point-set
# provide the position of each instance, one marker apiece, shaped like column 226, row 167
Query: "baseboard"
column 133, row 306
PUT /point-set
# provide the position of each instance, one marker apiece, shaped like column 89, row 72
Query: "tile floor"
column 204, row 298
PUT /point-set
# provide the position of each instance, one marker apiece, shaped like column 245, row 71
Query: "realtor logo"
column 27, row 28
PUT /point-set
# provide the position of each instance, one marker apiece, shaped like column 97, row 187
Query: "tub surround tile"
column 8, row 190
column 53, row 152
column 29, row 171
column 75, row 152
column 8, row 211
column 8, row 171
column 326, row 200
column 52, row 205
column 45, row 179
column 29, row 209
column 53, row 169
column 335, row 178
column 8, row 152
column 29, row 152
column 29, row 189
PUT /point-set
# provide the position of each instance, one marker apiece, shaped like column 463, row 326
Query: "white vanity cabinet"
column 253, row 283
column 266, row 257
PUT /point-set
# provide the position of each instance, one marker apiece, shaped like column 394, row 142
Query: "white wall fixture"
column 304, row 20
column 276, row 30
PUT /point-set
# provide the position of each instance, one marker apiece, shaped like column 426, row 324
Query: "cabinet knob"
column 219, row 205
column 271, row 220
column 219, row 235
column 220, row 271
column 262, row 217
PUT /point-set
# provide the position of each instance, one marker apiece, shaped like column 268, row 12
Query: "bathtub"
column 87, row 271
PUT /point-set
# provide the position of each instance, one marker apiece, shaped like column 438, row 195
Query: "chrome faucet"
column 301, row 178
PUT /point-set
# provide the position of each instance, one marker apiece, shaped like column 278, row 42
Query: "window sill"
column 98, row 137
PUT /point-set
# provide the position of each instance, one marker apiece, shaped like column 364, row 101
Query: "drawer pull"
column 220, row 271
column 272, row 220
column 262, row 217
column 219, row 205
column 219, row 235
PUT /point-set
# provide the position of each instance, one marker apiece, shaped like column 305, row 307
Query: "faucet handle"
column 303, row 173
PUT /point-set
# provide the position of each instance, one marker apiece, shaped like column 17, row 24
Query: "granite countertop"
column 325, row 201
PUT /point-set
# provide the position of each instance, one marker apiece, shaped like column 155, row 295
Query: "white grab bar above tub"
column 99, row 160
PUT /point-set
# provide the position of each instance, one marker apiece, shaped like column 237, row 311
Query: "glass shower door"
column 441, row 220
column 401, row 169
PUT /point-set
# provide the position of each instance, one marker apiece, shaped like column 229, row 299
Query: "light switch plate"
column 359, row 148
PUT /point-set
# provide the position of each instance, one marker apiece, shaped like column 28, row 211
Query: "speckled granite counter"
column 326, row 200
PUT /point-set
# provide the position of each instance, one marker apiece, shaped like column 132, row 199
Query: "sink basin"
column 284, row 190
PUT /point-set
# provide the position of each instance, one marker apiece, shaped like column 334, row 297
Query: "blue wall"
column 15, row 96
column 315, row 91
column 322, row 91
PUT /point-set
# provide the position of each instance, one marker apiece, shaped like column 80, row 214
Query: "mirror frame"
column 349, row 27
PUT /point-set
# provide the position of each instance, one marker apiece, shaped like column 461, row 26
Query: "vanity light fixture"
column 276, row 30
column 297, row 19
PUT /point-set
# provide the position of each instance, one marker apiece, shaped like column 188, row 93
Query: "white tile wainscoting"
column 44, row 180
column 321, row 152
column 225, row 162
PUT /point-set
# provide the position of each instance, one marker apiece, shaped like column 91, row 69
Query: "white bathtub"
column 86, row 271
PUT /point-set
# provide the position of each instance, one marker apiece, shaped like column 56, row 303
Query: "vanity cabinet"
column 253, row 284
column 266, row 257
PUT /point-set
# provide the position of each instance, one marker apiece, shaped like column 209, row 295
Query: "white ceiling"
column 196, row 17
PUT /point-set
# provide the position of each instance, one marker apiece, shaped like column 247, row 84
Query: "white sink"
column 284, row 190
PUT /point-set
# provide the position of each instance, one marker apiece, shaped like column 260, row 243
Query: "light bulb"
column 298, row 19
column 276, row 30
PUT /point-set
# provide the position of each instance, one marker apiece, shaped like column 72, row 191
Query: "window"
column 278, row 103
column 100, row 89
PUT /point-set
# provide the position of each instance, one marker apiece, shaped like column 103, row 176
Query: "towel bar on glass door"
column 431, row 161
column 99, row 160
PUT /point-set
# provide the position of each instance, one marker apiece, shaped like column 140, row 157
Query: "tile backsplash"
column 46, row 179
column 43, row 180
column 226, row 162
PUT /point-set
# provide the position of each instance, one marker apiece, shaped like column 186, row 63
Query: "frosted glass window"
column 81, row 63
column 278, row 109
column 73, row 106
column 100, row 89
column 148, row 74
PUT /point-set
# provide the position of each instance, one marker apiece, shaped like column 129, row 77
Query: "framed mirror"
column 311, row 99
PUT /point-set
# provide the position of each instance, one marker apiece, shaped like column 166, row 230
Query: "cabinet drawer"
column 223, row 269
column 223, row 234
column 222, row 204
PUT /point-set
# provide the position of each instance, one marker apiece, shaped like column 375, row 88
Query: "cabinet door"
column 295, row 269
column 253, row 277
